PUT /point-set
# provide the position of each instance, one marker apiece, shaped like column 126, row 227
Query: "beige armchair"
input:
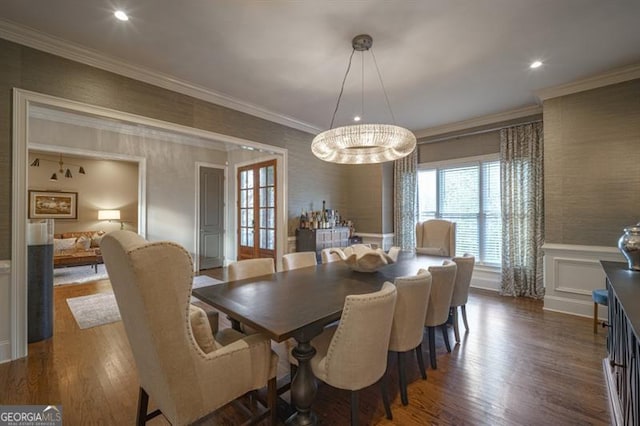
column 442, row 282
column 408, row 323
column 436, row 237
column 461, row 291
column 250, row 268
column 302, row 259
column 353, row 354
column 187, row 373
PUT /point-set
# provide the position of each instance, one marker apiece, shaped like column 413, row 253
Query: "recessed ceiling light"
column 535, row 64
column 121, row 15
column 356, row 118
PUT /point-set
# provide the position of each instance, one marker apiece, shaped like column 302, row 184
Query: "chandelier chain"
column 386, row 97
column 344, row 79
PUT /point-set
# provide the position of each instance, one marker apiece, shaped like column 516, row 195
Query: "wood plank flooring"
column 519, row 365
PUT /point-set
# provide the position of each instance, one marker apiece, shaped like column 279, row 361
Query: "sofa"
column 77, row 249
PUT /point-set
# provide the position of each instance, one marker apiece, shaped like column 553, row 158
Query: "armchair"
column 436, row 237
column 186, row 376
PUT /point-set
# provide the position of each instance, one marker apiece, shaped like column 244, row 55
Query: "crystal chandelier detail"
column 363, row 143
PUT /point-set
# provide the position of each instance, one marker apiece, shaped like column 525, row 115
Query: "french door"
column 257, row 210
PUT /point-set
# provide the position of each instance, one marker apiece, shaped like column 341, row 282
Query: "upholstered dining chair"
column 352, row 355
column 327, row 256
column 442, row 281
column 250, row 268
column 408, row 323
column 436, row 237
column 460, row 295
column 182, row 367
column 303, row 259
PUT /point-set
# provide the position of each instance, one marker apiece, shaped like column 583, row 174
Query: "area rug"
column 78, row 274
column 101, row 308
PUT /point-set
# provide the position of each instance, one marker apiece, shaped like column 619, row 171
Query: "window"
column 469, row 195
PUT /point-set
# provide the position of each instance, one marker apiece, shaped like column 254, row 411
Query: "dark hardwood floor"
column 519, row 365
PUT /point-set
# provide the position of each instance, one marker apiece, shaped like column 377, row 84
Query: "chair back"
column 410, row 312
column 327, row 256
column 302, row 259
column 357, row 355
column 463, row 279
column 250, row 268
column 436, row 237
column 152, row 285
column 442, row 281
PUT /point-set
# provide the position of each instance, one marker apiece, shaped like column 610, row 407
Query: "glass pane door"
column 257, row 210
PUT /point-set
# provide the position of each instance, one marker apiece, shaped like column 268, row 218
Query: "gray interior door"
column 211, row 217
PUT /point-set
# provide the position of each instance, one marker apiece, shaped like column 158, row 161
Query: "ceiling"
column 441, row 61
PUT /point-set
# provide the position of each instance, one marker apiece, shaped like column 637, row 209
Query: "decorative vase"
column 629, row 245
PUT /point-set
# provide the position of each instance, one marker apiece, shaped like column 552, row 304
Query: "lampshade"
column 363, row 143
column 108, row 214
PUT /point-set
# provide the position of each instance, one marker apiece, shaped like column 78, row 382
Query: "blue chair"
column 600, row 297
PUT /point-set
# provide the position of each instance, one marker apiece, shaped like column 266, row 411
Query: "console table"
column 622, row 366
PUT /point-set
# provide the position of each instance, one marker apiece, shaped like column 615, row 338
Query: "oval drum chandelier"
column 363, row 143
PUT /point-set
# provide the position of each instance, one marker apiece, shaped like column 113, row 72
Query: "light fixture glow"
column 121, row 15
column 535, row 64
column 108, row 214
column 363, row 143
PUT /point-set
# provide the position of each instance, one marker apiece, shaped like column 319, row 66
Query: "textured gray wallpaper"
column 310, row 180
column 592, row 165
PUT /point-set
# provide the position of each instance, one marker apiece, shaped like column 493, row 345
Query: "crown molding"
column 75, row 52
column 618, row 75
column 484, row 120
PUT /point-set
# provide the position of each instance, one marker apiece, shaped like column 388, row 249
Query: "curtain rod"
column 477, row 132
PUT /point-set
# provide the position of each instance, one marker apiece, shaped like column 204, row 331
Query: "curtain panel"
column 405, row 206
column 522, row 195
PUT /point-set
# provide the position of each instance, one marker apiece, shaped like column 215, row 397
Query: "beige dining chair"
column 328, row 257
column 185, row 370
column 303, row 259
column 436, row 237
column 408, row 323
column 250, row 268
column 442, row 282
column 460, row 295
column 352, row 355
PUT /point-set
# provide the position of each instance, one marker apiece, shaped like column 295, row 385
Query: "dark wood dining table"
column 298, row 304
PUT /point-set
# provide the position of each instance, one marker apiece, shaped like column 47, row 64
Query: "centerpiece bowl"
column 362, row 258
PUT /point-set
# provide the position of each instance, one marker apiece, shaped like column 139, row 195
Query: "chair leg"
column 143, row 404
column 402, row 374
column 432, row 347
column 595, row 318
column 464, row 317
column 423, row 372
column 456, row 330
column 354, row 408
column 385, row 396
column 445, row 336
column 272, row 401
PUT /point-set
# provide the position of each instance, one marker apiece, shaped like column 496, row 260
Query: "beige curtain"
column 521, row 166
column 405, row 206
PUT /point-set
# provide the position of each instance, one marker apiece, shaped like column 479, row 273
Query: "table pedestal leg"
column 303, row 386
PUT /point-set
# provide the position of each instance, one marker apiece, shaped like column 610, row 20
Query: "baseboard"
column 614, row 402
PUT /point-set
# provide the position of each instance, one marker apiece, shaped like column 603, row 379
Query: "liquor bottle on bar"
column 324, row 214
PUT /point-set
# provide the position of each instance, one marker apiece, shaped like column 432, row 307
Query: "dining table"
column 299, row 304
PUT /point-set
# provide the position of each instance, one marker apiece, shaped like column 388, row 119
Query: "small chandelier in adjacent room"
column 61, row 168
column 363, row 143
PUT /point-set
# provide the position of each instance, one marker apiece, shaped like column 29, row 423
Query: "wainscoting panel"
column 571, row 272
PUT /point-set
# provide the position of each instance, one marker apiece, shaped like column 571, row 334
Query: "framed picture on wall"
column 53, row 205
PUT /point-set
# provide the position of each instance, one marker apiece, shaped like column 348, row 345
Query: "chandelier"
column 61, row 168
column 363, row 143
